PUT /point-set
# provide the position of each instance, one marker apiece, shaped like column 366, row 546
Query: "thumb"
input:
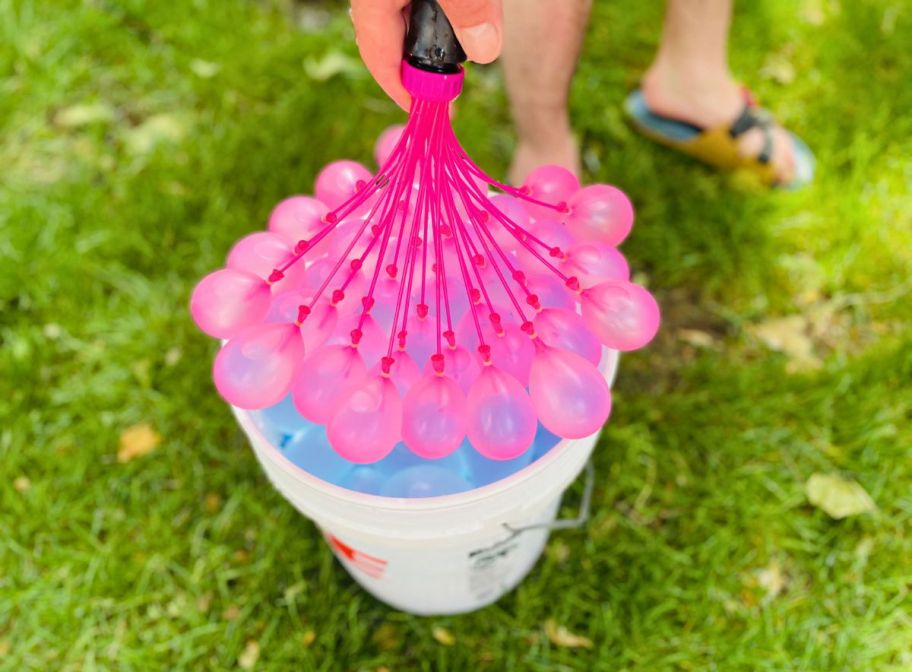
column 478, row 25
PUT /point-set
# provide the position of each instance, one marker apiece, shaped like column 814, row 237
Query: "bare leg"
column 542, row 40
column 690, row 80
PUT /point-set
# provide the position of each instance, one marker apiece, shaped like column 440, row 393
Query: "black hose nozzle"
column 430, row 43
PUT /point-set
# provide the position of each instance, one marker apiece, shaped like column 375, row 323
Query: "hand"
column 380, row 32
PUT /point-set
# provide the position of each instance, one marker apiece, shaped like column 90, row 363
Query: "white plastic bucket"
column 436, row 555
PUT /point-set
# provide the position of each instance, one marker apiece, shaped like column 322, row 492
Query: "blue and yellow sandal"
column 718, row 146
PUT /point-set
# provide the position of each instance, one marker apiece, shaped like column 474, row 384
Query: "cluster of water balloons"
column 417, row 305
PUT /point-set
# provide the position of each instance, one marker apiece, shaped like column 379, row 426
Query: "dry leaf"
column 443, row 636
column 153, row 131
column 84, row 115
column 386, row 637
column 213, row 502
column 137, row 441
column 560, row 636
column 837, row 496
column 788, row 335
column 779, row 69
column 231, row 613
column 204, row 69
column 332, row 64
column 22, row 483
column 771, row 579
column 696, row 338
column 203, row 603
column 250, row 655
column 308, row 638
column 5, row 648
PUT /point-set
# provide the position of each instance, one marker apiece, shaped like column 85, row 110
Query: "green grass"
column 139, row 139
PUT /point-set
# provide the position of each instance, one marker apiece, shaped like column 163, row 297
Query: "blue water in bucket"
column 399, row 474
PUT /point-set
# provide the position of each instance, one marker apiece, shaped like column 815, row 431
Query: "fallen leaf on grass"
column 837, row 496
column 250, row 655
column 387, row 637
column 696, row 338
column 560, row 636
column 443, row 636
column 772, row 579
column 22, row 483
column 788, row 335
column 154, row 130
column 332, row 64
column 308, row 638
column 204, row 69
column 83, row 115
column 137, row 441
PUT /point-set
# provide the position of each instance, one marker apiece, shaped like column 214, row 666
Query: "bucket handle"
column 564, row 523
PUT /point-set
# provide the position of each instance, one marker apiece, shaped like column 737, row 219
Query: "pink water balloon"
column 339, row 181
column 403, row 372
column 459, row 364
column 434, row 417
column 514, row 210
column 591, row 263
column 324, row 378
column 566, row 330
column 367, row 424
column 551, row 184
column 550, row 232
column 320, row 325
column 298, row 218
column 386, row 143
column 512, row 351
column 501, row 419
column 263, row 252
column 255, row 368
column 227, row 301
column 622, row 315
column 569, row 394
column 550, row 291
column 283, row 309
column 600, row 213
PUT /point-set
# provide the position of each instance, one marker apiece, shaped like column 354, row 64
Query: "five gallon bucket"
column 438, row 555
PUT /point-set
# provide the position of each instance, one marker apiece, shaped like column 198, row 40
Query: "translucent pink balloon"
column 512, row 352
column 592, row 263
column 434, row 419
column 501, row 419
column 368, row 422
column 284, row 307
column 298, row 218
column 324, row 378
column 345, row 233
column 374, row 340
column 622, row 315
column 551, row 184
column 256, row 367
column 386, row 143
column 550, row 291
column 516, row 212
column 404, row 372
column 339, row 181
column 461, row 365
column 421, row 341
column 262, row 252
column 227, row 301
column 319, row 326
column 600, row 213
column 569, row 394
column 566, row 330
column 550, row 232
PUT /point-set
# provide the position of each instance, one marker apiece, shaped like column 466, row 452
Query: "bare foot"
column 561, row 150
column 713, row 103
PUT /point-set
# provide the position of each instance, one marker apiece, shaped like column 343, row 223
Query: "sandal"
column 718, row 146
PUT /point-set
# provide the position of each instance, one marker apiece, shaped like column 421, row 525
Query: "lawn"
column 139, row 139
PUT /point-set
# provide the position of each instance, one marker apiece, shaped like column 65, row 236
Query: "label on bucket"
column 368, row 564
column 490, row 567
